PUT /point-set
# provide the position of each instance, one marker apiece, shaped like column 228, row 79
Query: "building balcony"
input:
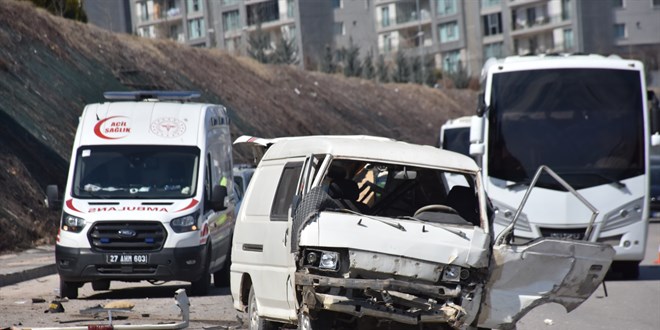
column 402, row 23
column 517, row 3
column 161, row 16
column 539, row 24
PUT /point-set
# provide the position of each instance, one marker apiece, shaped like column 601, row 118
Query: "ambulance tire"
column 202, row 285
column 101, row 285
column 68, row 289
column 221, row 277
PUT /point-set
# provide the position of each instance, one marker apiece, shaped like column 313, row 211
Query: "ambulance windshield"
column 145, row 172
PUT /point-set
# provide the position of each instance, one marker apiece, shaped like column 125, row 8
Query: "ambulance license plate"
column 127, row 259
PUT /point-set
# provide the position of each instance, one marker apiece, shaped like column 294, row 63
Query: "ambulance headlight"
column 71, row 223
column 185, row 223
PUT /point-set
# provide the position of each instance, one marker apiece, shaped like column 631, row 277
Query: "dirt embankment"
column 51, row 67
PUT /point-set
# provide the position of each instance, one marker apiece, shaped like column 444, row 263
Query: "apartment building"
column 455, row 33
column 110, row 15
column 184, row 21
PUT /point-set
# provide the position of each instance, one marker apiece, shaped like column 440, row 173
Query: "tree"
column 368, row 69
column 382, row 69
column 429, row 71
column 416, row 74
column 259, row 45
column 71, row 9
column 285, row 51
column 460, row 77
column 402, row 71
column 351, row 59
column 328, row 64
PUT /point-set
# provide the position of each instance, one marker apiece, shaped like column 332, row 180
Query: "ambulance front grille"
column 127, row 236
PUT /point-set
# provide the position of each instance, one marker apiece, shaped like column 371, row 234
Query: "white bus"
column 586, row 118
column 455, row 135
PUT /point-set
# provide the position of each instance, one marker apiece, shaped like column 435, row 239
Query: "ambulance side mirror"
column 53, row 201
column 218, row 197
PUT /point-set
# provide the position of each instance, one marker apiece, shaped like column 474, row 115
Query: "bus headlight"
column 623, row 215
column 504, row 215
column 185, row 223
column 71, row 223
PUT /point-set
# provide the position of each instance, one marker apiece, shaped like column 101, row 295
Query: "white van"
column 149, row 194
column 358, row 230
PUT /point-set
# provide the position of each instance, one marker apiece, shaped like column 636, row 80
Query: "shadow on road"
column 646, row 273
column 151, row 291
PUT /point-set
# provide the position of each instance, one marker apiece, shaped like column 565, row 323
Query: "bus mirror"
column 476, row 149
column 477, row 129
column 655, row 139
column 481, row 105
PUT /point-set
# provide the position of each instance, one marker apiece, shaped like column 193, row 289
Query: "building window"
column 339, row 29
column 493, row 50
column 337, row 3
column 451, row 61
column 445, row 7
column 290, row 6
column 490, row 3
column 229, row 2
column 387, row 43
column 385, row 16
column 565, row 9
column 620, row 31
column 448, row 32
column 196, row 28
column 143, row 11
column 531, row 16
column 493, row 24
column 194, row 6
column 617, row 3
column 231, row 21
column 568, row 39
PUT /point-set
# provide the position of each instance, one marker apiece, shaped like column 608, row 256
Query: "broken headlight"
column 323, row 260
column 451, row 273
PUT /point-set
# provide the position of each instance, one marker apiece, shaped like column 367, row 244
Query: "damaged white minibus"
column 359, row 230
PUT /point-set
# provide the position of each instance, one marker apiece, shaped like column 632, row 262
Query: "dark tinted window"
column 585, row 124
column 286, row 189
column 457, row 139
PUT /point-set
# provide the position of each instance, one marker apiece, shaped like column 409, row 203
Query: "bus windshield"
column 120, row 171
column 585, row 124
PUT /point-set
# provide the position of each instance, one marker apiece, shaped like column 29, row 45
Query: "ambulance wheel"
column 202, row 285
column 101, row 285
column 68, row 289
column 221, row 277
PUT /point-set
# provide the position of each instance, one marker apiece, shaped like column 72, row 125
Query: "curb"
column 26, row 275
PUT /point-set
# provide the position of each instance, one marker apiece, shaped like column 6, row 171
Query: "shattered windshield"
column 120, row 171
column 403, row 191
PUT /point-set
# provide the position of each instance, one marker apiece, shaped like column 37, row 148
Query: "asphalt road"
column 630, row 305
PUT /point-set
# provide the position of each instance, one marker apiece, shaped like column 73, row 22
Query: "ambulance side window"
column 208, row 177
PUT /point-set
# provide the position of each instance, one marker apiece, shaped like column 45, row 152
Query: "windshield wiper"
column 395, row 225
column 618, row 183
column 524, row 182
column 459, row 233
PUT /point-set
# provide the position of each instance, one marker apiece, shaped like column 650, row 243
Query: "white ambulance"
column 149, row 194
